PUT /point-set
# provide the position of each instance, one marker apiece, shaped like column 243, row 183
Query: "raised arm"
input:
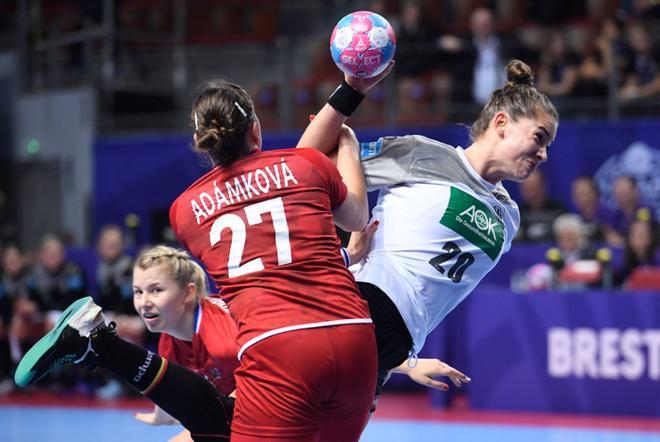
column 352, row 215
column 322, row 132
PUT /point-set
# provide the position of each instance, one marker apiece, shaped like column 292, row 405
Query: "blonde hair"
column 182, row 268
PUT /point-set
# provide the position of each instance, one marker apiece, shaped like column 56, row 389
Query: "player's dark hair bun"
column 519, row 73
column 209, row 140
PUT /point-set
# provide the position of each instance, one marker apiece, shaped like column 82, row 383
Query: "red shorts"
column 307, row 385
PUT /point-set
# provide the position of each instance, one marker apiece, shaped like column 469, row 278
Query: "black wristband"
column 345, row 99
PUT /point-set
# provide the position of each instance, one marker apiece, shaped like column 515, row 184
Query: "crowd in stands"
column 36, row 286
column 450, row 55
column 590, row 245
column 446, row 71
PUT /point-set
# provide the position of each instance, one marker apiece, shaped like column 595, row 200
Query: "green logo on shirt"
column 475, row 222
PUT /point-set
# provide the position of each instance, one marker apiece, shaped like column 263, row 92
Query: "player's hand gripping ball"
column 362, row 44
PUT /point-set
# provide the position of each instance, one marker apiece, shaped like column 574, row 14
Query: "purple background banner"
column 590, row 352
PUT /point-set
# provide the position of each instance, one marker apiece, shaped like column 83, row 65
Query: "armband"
column 346, row 256
column 345, row 99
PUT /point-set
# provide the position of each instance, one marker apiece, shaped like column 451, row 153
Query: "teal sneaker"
column 69, row 342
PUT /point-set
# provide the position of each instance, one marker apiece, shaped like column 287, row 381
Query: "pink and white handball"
column 362, row 44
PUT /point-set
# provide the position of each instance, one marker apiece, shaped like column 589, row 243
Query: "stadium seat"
column 644, row 278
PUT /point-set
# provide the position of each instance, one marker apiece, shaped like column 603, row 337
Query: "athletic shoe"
column 69, row 342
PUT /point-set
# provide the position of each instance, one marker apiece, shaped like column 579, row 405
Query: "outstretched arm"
column 426, row 370
column 322, row 131
column 353, row 214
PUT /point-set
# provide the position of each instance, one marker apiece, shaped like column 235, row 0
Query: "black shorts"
column 392, row 336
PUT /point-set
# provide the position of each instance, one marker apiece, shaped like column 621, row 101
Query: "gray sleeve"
column 387, row 161
column 410, row 159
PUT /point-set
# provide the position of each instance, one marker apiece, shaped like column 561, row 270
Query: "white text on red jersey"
column 242, row 188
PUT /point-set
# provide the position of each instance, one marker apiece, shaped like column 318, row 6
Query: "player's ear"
column 499, row 123
column 254, row 135
column 191, row 292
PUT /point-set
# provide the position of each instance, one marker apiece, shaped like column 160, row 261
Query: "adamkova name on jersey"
column 242, row 188
column 472, row 219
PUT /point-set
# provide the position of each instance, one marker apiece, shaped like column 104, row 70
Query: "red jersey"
column 213, row 351
column 263, row 229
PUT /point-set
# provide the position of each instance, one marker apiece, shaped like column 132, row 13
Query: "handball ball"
column 362, row 44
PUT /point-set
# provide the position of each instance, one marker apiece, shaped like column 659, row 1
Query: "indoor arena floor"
column 400, row 418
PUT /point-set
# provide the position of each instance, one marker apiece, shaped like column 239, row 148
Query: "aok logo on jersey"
column 472, row 219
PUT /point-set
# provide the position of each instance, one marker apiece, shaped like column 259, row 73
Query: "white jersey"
column 442, row 228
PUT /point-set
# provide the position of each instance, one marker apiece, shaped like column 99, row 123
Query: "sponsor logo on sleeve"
column 370, row 149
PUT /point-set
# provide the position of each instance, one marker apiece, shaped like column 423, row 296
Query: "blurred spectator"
column 612, row 31
column 537, row 210
column 628, row 208
column 604, row 55
column 643, row 9
column 414, row 38
column 13, row 281
column 571, row 264
column 571, row 241
column 478, row 59
column 640, row 249
column 7, row 295
column 642, row 67
column 114, row 271
column 489, row 61
column 414, row 61
column 114, row 278
column 586, row 200
column 21, row 323
column 595, row 62
column 557, row 75
column 57, row 281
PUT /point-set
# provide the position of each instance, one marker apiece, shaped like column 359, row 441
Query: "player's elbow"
column 351, row 225
column 353, row 214
column 358, row 223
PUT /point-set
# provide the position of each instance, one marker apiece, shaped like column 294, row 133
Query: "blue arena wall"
column 143, row 174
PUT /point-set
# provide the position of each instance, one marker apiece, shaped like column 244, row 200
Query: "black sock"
column 184, row 395
column 139, row 367
column 194, row 402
